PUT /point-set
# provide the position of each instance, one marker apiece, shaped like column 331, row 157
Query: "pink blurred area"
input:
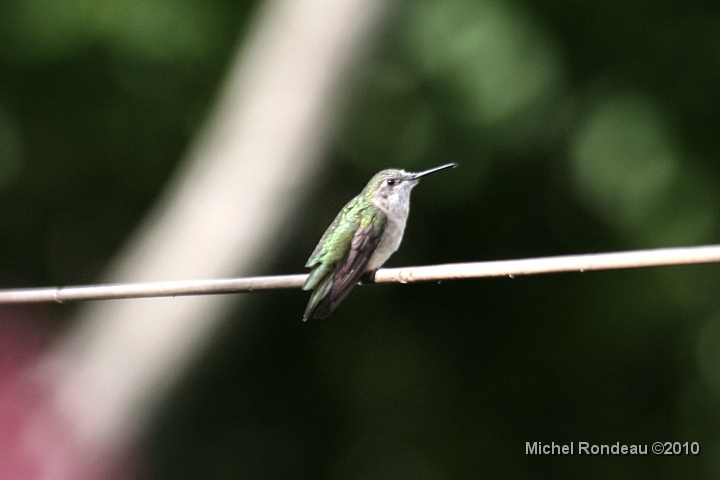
column 36, row 443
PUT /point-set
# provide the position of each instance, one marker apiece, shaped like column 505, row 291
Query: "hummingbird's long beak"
column 433, row 170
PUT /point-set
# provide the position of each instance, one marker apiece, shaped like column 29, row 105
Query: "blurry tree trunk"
column 220, row 216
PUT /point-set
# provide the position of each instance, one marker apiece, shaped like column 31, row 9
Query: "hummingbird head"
column 390, row 189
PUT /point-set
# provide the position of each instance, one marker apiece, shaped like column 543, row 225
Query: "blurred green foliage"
column 98, row 100
column 579, row 127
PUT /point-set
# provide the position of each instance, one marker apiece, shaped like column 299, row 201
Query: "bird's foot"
column 368, row 278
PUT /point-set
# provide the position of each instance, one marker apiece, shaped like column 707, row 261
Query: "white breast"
column 391, row 239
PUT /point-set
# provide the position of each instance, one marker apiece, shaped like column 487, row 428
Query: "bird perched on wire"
column 361, row 238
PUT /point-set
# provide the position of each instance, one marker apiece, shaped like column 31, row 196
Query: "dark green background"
column 578, row 126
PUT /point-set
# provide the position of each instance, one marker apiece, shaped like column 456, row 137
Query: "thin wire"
column 433, row 273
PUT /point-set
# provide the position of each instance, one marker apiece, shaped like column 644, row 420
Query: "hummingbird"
column 361, row 238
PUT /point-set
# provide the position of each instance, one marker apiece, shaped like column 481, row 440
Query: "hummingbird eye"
column 391, row 181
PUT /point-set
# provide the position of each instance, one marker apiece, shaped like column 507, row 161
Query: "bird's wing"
column 339, row 262
column 334, row 244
